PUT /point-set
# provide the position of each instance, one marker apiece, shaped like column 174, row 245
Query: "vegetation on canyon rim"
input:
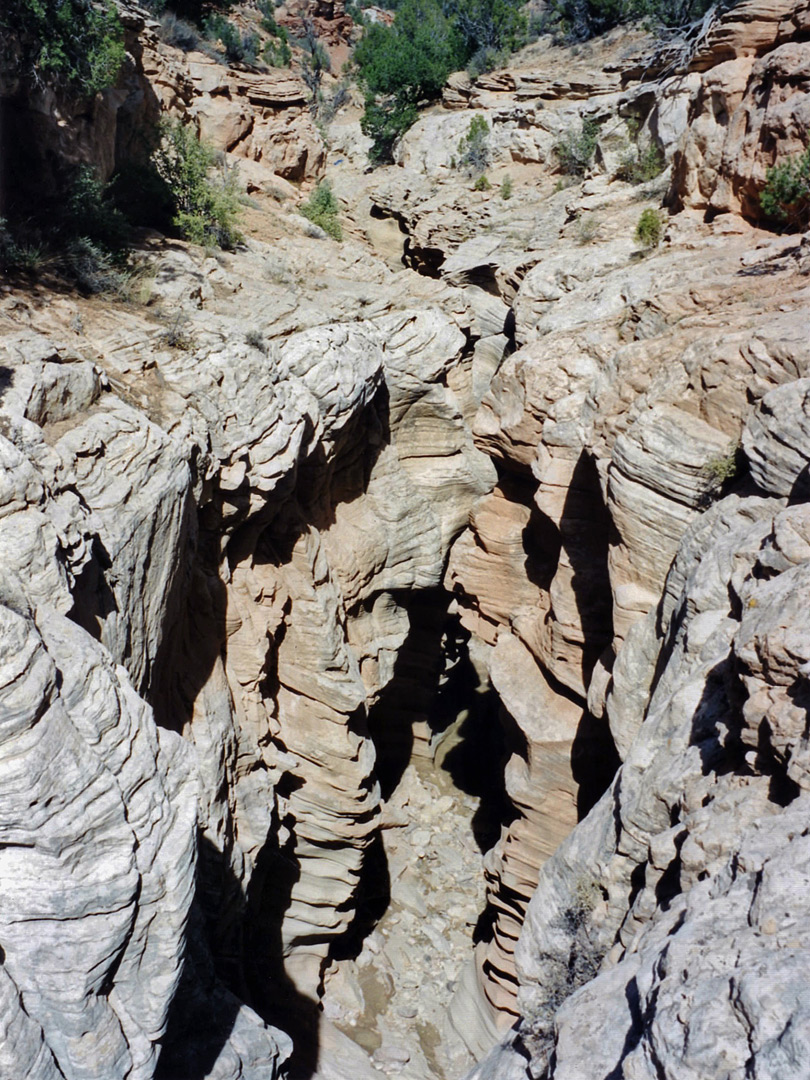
column 322, row 209
column 406, row 65
column 786, row 195
column 86, row 238
column 73, row 42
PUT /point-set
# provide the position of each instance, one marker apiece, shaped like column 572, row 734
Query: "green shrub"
column 719, row 471
column 482, row 184
column 70, row 41
column 204, row 211
column 579, row 20
column 786, row 195
column 402, row 66
column 587, row 228
column 384, row 122
column 84, row 239
column 89, row 212
column 486, row 59
column 406, row 65
column 179, row 33
column 239, row 48
column 473, row 147
column 91, row 267
column 331, row 104
column 18, row 255
column 277, row 54
column 322, row 209
column 506, row 188
column 640, row 166
column 268, row 20
column 649, row 229
column 576, row 149
column 497, row 26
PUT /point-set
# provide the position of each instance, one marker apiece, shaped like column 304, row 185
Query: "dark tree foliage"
column 412, row 58
column 580, row 20
column 76, row 42
column 402, row 66
column 407, row 64
column 488, row 24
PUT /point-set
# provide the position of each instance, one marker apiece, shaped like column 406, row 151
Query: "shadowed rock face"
column 233, row 556
column 238, row 561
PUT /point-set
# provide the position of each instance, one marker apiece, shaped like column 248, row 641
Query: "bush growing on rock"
column 179, row 33
column 276, row 53
column 322, row 210
column 577, row 962
column 473, row 147
column 649, row 229
column 403, row 65
column 575, row 150
column 640, row 166
column 239, row 48
column 18, row 255
column 84, row 240
column 406, row 65
column 587, row 228
column 786, row 195
column 719, row 471
column 486, row 59
column 204, row 211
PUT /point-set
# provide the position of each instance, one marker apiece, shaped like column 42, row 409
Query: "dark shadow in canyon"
column 93, row 599
column 206, row 1006
column 409, row 696
column 800, row 490
column 585, row 533
column 436, row 686
column 371, row 902
column 594, row 762
column 235, row 946
column 477, row 761
column 717, row 731
column 269, row 990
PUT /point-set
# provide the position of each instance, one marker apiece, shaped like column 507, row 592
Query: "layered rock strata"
column 615, row 421
column 187, row 508
column 232, row 508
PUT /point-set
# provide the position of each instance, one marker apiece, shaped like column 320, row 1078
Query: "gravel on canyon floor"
column 392, row 999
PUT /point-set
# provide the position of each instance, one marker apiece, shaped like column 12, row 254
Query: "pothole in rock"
column 392, row 999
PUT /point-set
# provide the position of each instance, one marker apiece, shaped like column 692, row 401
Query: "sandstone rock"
column 724, row 161
column 779, row 462
column 697, row 709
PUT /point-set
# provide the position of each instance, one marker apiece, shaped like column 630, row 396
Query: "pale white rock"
column 775, row 440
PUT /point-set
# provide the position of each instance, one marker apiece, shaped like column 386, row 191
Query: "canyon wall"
column 244, row 507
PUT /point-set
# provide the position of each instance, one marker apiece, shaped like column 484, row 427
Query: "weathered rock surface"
column 256, row 525
column 751, row 110
column 700, row 833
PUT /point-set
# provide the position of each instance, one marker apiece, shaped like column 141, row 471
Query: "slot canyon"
column 406, row 640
